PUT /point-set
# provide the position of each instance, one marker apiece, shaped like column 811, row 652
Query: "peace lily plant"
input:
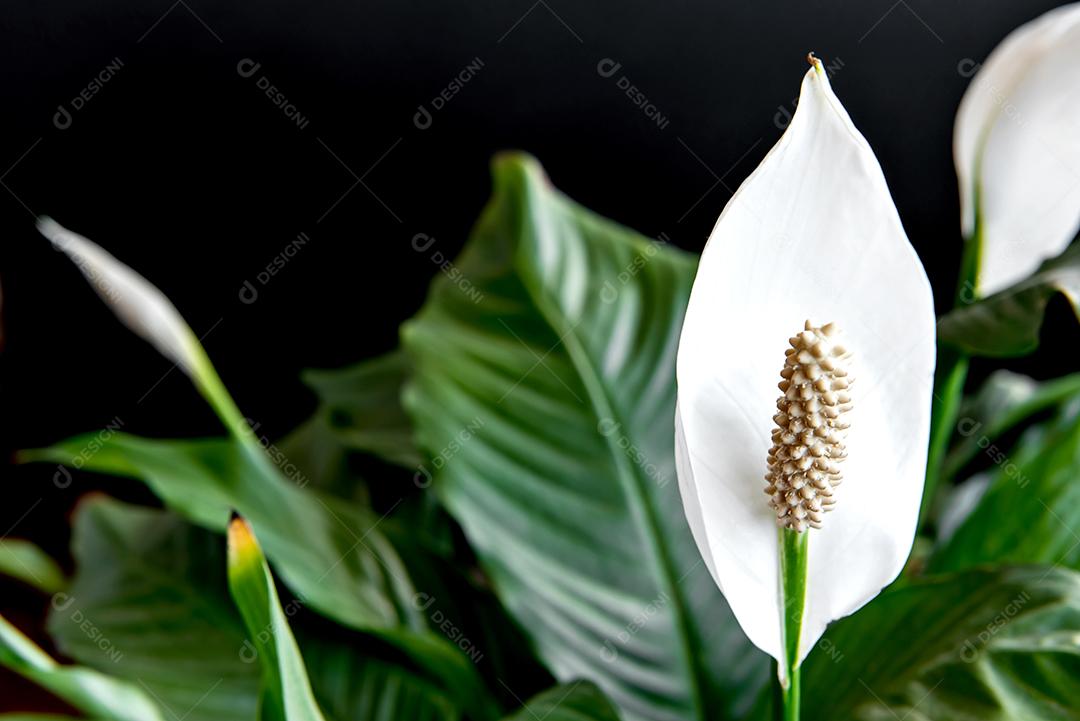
column 811, row 234
column 545, row 543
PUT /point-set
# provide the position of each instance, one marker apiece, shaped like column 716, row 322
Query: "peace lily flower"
column 1017, row 148
column 812, row 234
column 150, row 314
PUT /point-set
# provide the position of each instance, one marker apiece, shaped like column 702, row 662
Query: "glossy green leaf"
column 152, row 590
column 1007, row 323
column 330, row 552
column 360, row 584
column 986, row 645
column 97, row 694
column 577, row 701
column 1004, row 401
column 1030, row 512
column 288, row 694
column 25, row 561
column 544, row 394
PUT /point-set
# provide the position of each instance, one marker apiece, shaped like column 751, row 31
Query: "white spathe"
column 812, row 234
column 137, row 302
column 1017, row 147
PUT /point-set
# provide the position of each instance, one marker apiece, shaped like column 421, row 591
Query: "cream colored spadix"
column 1017, row 148
column 812, row 233
column 811, row 424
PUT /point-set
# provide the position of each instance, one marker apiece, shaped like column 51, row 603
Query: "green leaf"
column 362, row 407
column 546, row 398
column 321, row 461
column 351, row 686
column 288, row 692
column 1032, row 506
column 330, row 552
column 358, row 583
column 154, row 587
column 1008, row 322
column 149, row 603
column 578, row 701
column 986, row 645
column 25, row 561
column 359, row 412
column 1004, row 401
column 97, row 694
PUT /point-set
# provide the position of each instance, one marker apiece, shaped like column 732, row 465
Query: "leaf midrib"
column 630, row 480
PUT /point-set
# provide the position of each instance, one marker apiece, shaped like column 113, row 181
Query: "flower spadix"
column 1017, row 148
column 812, row 234
column 808, row 441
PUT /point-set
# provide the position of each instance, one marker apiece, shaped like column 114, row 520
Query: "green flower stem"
column 952, row 369
column 949, row 378
column 213, row 390
column 793, row 559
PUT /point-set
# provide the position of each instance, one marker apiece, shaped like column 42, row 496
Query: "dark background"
column 188, row 172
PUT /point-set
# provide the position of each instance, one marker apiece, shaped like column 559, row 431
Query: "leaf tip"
column 242, row 543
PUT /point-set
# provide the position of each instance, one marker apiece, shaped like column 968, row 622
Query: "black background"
column 188, row 172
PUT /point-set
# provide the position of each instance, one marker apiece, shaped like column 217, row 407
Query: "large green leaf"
column 1004, row 401
column 331, row 553
column 545, row 397
column 1031, row 511
column 578, row 701
column 97, row 694
column 1008, row 322
column 153, row 590
column 287, row 693
column 340, row 561
column 984, row 645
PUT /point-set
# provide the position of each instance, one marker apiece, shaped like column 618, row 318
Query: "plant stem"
column 793, row 560
column 952, row 368
column 792, row 696
column 213, row 390
column 951, row 373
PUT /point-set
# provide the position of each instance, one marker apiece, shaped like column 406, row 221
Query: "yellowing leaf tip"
column 241, row 538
